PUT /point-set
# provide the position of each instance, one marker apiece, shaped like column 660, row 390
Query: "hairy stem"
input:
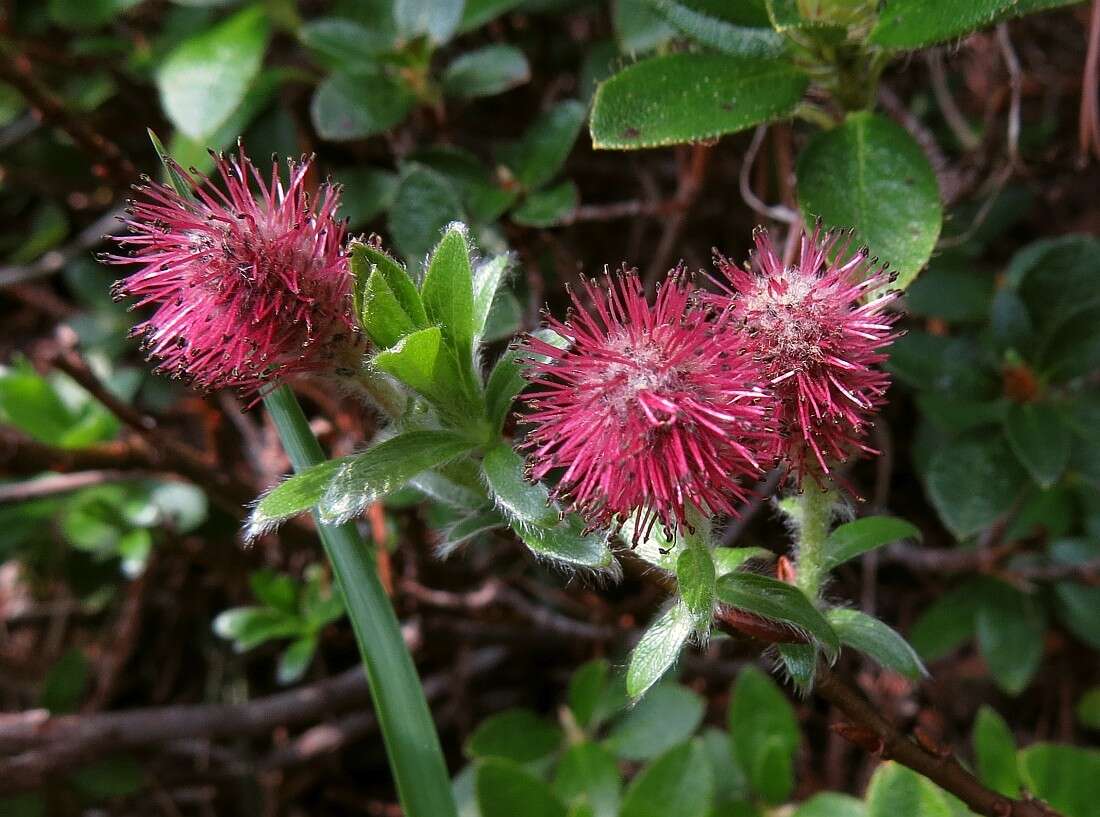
column 811, row 514
column 412, row 744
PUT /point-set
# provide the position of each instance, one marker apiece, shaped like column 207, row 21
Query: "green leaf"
column 761, row 716
column 638, row 27
column 295, row 660
column 895, row 790
column 1057, row 277
column 830, row 15
column 491, row 70
column 448, row 290
column 477, row 13
column 995, row 752
column 587, row 691
column 1064, row 776
column 668, row 715
column 348, row 106
column 696, row 578
column 453, row 488
column 546, row 144
column 64, row 685
column 719, row 34
column 292, row 496
column 1010, row 635
column 856, row 538
column 520, row 501
column 545, row 208
column 381, row 314
column 506, row 789
column 275, row 590
column 566, row 542
column 679, row 783
column 1041, row 440
column 422, row 361
column 727, row 560
column 1073, row 348
column 832, row 804
column 366, row 193
column 777, row 601
column 366, row 259
column 367, row 477
column 871, row 636
column 342, row 44
column 908, row 24
column 869, row 174
column 437, row 19
column 587, row 774
column 425, row 203
column 800, row 661
column 1088, row 708
column 467, row 528
column 947, row 623
column 973, row 481
column 658, row 649
column 82, row 15
column 507, row 380
column 206, row 77
column 248, row 627
column 681, row 98
column 1079, row 609
column 489, row 274
column 515, row 734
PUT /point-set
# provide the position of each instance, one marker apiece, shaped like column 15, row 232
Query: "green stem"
column 811, row 511
column 412, row 744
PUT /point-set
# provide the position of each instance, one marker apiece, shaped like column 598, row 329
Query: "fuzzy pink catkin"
column 818, row 328
column 248, row 287
column 650, row 410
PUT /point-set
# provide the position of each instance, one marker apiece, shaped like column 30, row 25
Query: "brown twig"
column 64, row 483
column 108, row 159
column 1088, row 134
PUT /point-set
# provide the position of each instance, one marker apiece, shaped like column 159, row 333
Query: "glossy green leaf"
column 896, row 790
column 1040, row 438
column 566, row 542
column 868, row 174
column 424, row 204
column 1010, row 627
column 668, row 715
column 367, row 477
column 777, row 601
column 506, row 379
column 340, row 43
column 548, row 207
column 587, row 774
column 717, row 33
column 639, row 29
column 679, row 782
column 947, row 623
column 871, row 636
column 855, row 538
column 765, row 734
column 539, row 155
column 1072, row 349
column 516, row 734
column 658, row 648
column 973, row 481
column 587, row 690
column 696, row 577
column 1079, row 609
column 205, row 78
column 507, row 789
column 907, row 24
column 691, row 97
column 436, row 19
column 486, row 71
column 831, row 804
column 1064, row 776
column 515, row 497
column 348, row 106
column 995, row 752
column 1057, row 277
column 489, row 276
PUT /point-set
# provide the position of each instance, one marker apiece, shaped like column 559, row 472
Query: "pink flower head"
column 818, row 329
column 650, row 409
column 247, row 287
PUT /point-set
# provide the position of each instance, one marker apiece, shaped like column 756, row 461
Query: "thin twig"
column 776, row 212
column 54, row 484
column 960, row 128
column 1016, row 85
column 55, row 260
column 692, row 173
column 1089, row 125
